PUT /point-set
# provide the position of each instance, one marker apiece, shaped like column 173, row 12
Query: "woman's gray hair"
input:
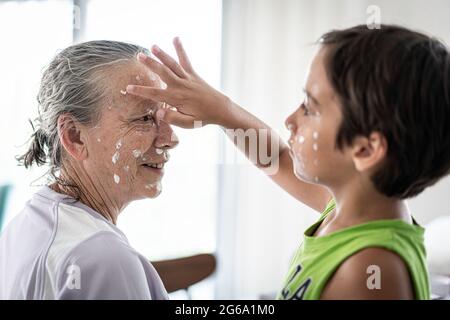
column 73, row 83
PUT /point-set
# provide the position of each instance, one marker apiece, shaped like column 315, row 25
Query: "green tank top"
column 319, row 257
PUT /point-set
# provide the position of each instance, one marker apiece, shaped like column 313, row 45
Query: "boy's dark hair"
column 397, row 82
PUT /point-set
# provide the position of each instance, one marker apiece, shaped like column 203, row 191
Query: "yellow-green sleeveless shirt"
column 319, row 257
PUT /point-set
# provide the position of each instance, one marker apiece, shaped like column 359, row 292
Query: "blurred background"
column 257, row 52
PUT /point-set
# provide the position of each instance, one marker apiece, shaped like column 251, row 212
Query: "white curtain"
column 267, row 45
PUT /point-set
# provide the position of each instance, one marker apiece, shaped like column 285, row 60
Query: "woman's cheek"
column 130, row 151
column 123, row 158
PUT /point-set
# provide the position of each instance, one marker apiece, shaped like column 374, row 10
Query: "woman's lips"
column 157, row 171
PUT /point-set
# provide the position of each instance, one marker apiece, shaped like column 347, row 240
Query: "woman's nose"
column 166, row 137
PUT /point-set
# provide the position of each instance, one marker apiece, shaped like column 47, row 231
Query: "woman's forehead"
column 135, row 74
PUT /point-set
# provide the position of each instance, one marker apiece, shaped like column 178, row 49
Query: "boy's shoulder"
column 372, row 273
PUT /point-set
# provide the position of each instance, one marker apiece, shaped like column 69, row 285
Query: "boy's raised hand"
column 193, row 101
column 197, row 101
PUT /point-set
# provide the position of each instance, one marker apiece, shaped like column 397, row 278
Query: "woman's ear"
column 71, row 135
column 369, row 152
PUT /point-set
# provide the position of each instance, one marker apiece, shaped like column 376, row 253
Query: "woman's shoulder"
column 108, row 267
column 104, row 251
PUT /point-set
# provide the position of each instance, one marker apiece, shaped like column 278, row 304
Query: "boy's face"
column 314, row 126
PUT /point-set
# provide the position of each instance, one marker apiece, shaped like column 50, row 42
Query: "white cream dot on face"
column 119, row 144
column 99, row 140
column 159, row 151
column 301, row 139
column 137, row 153
column 109, row 108
column 315, row 135
column 115, row 157
column 116, row 178
column 315, row 147
column 156, row 185
column 126, row 168
column 123, row 92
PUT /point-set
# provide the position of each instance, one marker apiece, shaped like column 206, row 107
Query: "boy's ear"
column 71, row 135
column 368, row 152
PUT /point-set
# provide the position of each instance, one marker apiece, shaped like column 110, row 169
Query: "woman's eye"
column 146, row 118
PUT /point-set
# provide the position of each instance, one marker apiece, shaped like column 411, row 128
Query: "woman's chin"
column 153, row 190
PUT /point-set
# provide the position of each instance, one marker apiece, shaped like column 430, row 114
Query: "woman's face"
column 128, row 148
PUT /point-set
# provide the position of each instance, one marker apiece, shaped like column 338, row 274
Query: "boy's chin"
column 306, row 177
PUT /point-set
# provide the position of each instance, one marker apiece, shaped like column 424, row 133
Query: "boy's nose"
column 289, row 123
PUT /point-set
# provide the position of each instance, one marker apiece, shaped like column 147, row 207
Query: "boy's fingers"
column 164, row 72
column 179, row 119
column 168, row 61
column 182, row 56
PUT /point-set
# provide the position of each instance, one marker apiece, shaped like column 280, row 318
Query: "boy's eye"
column 305, row 109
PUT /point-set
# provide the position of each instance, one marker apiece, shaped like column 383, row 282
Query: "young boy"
column 371, row 132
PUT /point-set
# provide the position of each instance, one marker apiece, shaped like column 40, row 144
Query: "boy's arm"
column 274, row 158
column 370, row 274
column 197, row 103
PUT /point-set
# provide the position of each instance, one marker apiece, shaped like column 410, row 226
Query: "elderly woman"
column 105, row 149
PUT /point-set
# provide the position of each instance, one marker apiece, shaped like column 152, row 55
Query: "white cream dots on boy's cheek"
column 116, row 178
column 300, row 139
column 315, row 135
column 315, row 146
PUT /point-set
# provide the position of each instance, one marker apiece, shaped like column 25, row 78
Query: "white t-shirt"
column 59, row 248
